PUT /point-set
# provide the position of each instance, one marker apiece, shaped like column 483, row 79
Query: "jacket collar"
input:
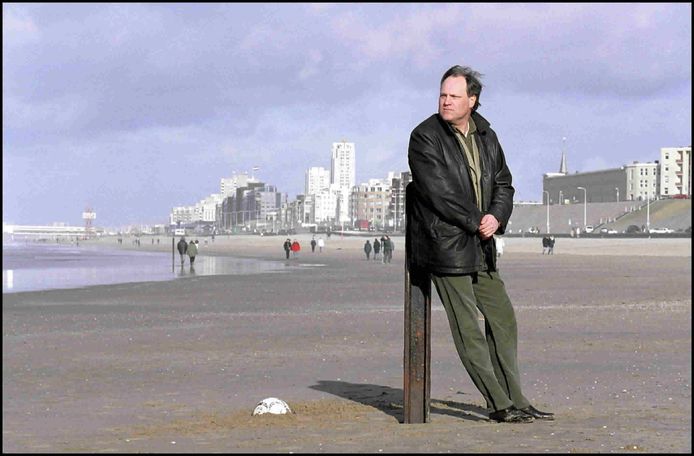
column 481, row 123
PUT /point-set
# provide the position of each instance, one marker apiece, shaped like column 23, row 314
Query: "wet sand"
column 604, row 342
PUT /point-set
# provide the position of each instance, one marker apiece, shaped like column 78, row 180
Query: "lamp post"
column 585, row 203
column 617, row 190
column 545, row 191
column 648, row 210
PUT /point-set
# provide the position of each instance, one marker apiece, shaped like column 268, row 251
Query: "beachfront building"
column 255, row 206
column 369, row 203
column 326, row 200
column 641, row 181
column 342, row 177
column 207, row 207
column 601, row 186
column 270, row 202
column 182, row 215
column 324, row 206
column 343, row 165
column 228, row 185
column 201, row 216
column 396, row 209
column 676, row 171
column 317, row 180
column 671, row 176
column 292, row 213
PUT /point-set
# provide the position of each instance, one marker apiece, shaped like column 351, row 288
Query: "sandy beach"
column 178, row 366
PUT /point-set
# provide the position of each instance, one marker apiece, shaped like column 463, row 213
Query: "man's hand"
column 488, row 226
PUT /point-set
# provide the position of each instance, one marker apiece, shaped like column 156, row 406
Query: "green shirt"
column 472, row 154
column 469, row 145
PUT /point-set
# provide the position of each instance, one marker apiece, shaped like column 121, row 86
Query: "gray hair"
column 472, row 77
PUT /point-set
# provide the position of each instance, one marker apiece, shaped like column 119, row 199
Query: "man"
column 287, row 247
column 182, row 248
column 192, row 252
column 545, row 244
column 462, row 196
column 377, row 248
column 388, row 248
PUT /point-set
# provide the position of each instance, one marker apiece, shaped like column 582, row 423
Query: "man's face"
column 454, row 104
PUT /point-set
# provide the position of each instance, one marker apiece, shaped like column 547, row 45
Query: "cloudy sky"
column 135, row 108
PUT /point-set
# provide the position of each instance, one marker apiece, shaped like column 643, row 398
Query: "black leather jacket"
column 442, row 217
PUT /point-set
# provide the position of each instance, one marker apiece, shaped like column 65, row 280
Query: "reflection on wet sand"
column 36, row 268
column 221, row 265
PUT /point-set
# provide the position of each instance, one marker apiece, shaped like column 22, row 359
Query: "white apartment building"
column 642, row 181
column 182, row 214
column 317, row 180
column 342, row 204
column 343, row 165
column 370, row 202
column 208, row 207
column 675, row 171
column 325, row 206
column 228, row 185
column 204, row 211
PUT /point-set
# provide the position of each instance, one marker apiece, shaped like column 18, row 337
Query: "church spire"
column 562, row 167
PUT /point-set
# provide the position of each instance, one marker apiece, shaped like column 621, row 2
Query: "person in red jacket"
column 296, row 247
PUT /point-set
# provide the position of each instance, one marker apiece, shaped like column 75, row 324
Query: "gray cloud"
column 171, row 97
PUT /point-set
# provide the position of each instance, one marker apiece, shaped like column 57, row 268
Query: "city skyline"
column 132, row 109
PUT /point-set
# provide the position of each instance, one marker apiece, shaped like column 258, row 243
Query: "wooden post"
column 417, row 365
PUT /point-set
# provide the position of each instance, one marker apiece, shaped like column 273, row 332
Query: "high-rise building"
column 317, row 180
column 343, row 165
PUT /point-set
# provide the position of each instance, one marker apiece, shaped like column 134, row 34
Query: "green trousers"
column 490, row 358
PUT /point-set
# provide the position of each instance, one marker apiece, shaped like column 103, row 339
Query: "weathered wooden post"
column 417, row 365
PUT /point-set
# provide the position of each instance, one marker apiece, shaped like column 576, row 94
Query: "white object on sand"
column 272, row 405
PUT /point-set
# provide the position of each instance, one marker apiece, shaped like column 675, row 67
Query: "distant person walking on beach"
column 182, row 247
column 550, row 251
column 545, row 244
column 387, row 246
column 287, row 247
column 461, row 196
column 192, row 252
column 321, row 244
column 313, row 245
column 367, row 249
column 296, row 248
column 377, row 248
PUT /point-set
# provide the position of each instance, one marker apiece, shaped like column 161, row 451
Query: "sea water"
column 36, row 266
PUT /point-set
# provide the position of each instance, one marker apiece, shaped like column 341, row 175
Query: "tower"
column 562, row 166
column 88, row 215
column 343, row 165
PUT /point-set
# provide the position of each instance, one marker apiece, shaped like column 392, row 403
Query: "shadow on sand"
column 390, row 400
